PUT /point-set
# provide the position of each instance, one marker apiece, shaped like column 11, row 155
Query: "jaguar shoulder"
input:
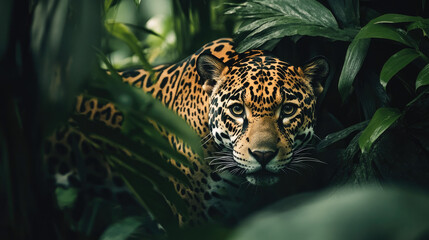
column 254, row 112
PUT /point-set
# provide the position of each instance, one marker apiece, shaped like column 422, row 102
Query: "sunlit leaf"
column 355, row 56
column 383, row 118
column 423, row 77
column 397, row 62
column 122, row 230
column 137, row 2
column 122, row 32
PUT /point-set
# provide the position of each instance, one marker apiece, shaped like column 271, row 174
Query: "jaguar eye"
column 289, row 110
column 237, row 110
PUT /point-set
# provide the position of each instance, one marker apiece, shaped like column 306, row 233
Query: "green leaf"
column 395, row 18
column 355, row 55
column 397, row 62
column 386, row 32
column 383, row 118
column 122, row 230
column 115, row 138
column 423, row 25
column 337, row 136
column 423, row 77
column 346, row 11
column 275, row 19
column 137, row 2
column 122, row 32
column 160, row 183
column 66, row 197
column 150, row 199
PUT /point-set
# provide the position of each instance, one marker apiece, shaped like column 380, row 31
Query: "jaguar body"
column 253, row 112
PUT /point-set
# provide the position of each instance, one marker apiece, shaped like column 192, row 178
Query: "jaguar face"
column 261, row 113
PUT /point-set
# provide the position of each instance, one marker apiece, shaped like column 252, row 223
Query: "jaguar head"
column 261, row 112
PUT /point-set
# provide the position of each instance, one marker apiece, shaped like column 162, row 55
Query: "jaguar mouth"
column 262, row 178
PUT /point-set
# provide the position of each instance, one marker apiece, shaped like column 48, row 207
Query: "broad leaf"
column 423, row 25
column 355, row 56
column 397, row 62
column 122, row 230
column 383, row 118
column 275, row 19
column 395, row 18
column 346, row 11
column 423, row 77
column 385, row 32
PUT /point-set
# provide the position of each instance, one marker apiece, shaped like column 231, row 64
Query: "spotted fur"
column 253, row 111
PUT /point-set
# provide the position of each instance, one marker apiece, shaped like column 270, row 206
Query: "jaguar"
column 254, row 113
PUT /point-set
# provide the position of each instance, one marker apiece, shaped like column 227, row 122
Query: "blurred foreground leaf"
column 122, row 230
column 383, row 118
column 354, row 214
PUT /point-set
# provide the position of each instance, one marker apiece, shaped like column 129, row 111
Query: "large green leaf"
column 423, row 25
column 355, row 56
column 423, row 77
column 383, row 118
column 122, row 230
column 275, row 19
column 395, row 18
column 395, row 63
column 386, row 32
column 346, row 11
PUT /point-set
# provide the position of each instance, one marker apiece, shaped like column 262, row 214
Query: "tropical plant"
column 265, row 23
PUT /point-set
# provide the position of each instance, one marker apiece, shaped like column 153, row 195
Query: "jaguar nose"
column 263, row 157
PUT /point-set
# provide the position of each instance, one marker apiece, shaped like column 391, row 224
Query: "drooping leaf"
column 383, row 31
column 337, row 136
column 395, row 18
column 122, row 230
column 383, row 118
column 355, row 56
column 423, row 25
column 423, row 77
column 397, row 62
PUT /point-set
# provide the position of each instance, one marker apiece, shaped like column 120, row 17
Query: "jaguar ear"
column 210, row 69
column 316, row 70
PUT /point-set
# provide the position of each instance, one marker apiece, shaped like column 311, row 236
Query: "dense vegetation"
column 373, row 116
